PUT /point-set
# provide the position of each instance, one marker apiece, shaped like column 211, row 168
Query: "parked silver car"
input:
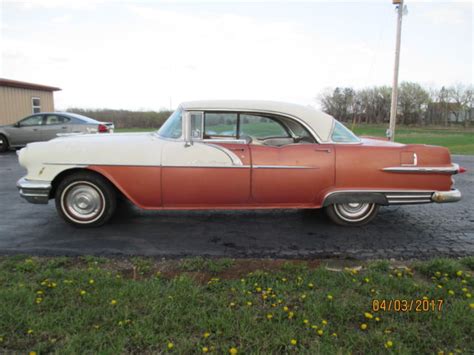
column 48, row 125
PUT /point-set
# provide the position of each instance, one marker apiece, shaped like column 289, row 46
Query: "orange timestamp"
column 407, row 305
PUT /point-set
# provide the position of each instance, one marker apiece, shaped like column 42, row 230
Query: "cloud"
column 454, row 15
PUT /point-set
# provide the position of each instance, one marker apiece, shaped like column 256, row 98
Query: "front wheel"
column 85, row 200
column 3, row 143
column 352, row 214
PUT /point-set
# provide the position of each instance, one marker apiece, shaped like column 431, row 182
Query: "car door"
column 286, row 169
column 54, row 124
column 210, row 167
column 27, row 130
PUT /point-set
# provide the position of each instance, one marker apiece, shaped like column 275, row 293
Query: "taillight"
column 102, row 128
column 461, row 170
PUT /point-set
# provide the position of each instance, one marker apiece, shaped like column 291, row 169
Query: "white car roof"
column 320, row 122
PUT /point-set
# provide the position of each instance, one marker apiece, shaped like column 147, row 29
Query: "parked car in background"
column 48, row 125
column 236, row 155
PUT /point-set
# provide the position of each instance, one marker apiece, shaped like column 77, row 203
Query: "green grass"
column 458, row 140
column 98, row 305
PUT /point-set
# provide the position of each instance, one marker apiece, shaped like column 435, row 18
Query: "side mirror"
column 17, row 125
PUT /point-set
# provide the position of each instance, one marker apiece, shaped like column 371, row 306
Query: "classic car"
column 236, row 155
column 48, row 125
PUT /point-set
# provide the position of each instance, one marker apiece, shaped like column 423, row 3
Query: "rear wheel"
column 352, row 214
column 3, row 143
column 85, row 200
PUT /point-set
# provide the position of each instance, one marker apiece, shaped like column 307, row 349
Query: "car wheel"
column 85, row 200
column 3, row 143
column 352, row 214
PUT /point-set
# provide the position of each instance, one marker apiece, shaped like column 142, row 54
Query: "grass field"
column 458, row 140
column 98, row 305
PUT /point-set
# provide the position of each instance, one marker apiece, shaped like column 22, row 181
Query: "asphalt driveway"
column 402, row 232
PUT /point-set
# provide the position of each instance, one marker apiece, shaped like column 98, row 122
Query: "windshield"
column 342, row 134
column 173, row 127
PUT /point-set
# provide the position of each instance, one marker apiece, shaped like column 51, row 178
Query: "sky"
column 151, row 55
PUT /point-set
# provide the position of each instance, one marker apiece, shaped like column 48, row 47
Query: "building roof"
column 24, row 85
column 320, row 122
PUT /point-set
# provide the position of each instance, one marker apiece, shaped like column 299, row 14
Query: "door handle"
column 238, row 149
column 325, row 150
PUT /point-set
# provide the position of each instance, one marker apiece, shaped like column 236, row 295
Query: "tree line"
column 417, row 105
column 126, row 118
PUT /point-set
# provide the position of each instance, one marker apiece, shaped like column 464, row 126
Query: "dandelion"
column 284, row 279
column 425, row 297
column 363, row 326
column 170, row 345
column 471, row 305
column 96, row 326
column 314, row 326
column 377, row 319
column 269, row 316
column 464, row 289
column 29, row 331
column 305, row 321
column 399, row 274
column 205, row 349
column 303, row 296
column 91, row 281
column 232, row 304
column 334, row 334
column 1, row 339
column 388, row 344
column 451, row 292
column 286, row 309
column 233, row 351
column 324, row 322
column 368, row 315
column 459, row 273
column 290, row 315
column 320, row 332
column 249, row 303
column 329, row 297
column 440, row 286
column 366, row 280
column 38, row 300
column 32, row 353
column 463, row 281
column 387, row 331
column 206, row 335
column 468, row 295
column 437, row 274
column 113, row 302
column 258, row 289
column 39, row 292
column 293, row 342
column 310, row 285
column 82, row 292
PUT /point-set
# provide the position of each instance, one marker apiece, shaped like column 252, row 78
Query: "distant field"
column 458, row 140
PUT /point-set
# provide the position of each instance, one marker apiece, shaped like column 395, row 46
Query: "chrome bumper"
column 34, row 191
column 446, row 196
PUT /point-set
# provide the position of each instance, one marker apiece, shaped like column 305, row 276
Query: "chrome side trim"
column 234, row 158
column 231, row 141
column 208, row 166
column 283, row 167
column 453, row 169
column 34, row 191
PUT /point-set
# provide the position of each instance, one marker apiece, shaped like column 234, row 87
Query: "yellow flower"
column 363, row 326
column 249, row 303
column 232, row 304
column 269, row 316
column 206, row 335
column 170, row 345
column 314, row 326
column 303, row 296
column 451, row 292
column 290, row 315
column 1, row 339
column 113, row 302
column 464, row 289
column 91, row 281
column 377, row 319
column 388, row 344
column 471, row 305
column 440, row 286
column 305, row 321
column 367, row 280
column 293, row 342
column 205, row 349
column 310, row 285
column 29, row 331
column 459, row 273
column 259, row 289
column 437, row 273
column 368, row 315
column 329, row 297
column 38, row 300
column 286, row 309
column 82, row 292
column 334, row 334
column 39, row 292
column 468, row 295
column 324, row 322
column 233, row 351
column 284, row 279
column 399, row 274
column 320, row 332
column 464, row 281
column 32, row 353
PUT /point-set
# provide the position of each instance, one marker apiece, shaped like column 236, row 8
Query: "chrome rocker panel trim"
column 34, row 191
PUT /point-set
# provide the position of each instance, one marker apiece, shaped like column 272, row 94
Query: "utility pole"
column 393, row 109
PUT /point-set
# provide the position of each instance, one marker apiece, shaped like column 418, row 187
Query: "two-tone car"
column 48, row 125
column 236, row 155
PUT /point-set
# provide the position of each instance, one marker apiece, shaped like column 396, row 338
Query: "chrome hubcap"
column 354, row 211
column 83, row 201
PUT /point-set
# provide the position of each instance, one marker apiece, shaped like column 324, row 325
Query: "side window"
column 196, row 125
column 261, row 127
column 220, row 125
column 35, row 105
column 172, row 128
column 32, row 121
column 55, row 119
